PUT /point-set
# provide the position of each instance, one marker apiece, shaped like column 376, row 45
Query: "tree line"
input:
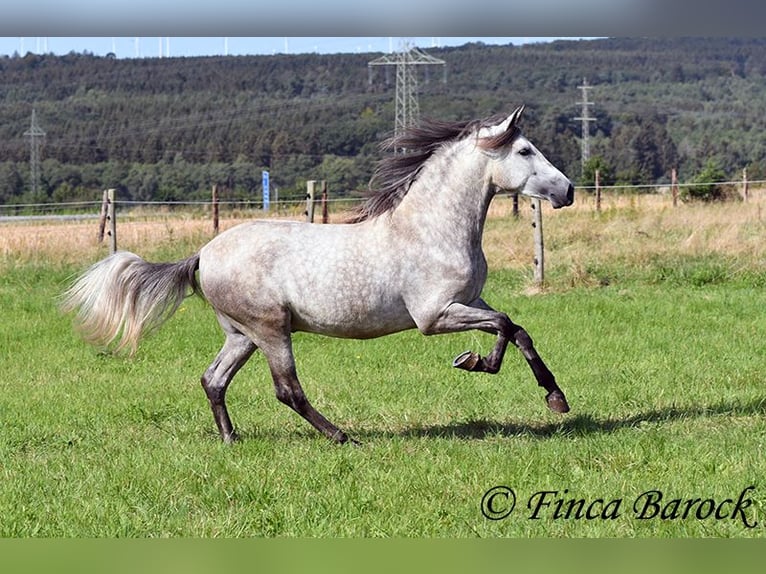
column 170, row 128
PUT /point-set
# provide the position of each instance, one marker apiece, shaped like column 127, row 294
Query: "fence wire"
column 90, row 209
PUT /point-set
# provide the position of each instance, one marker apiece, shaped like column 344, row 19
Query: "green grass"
column 665, row 376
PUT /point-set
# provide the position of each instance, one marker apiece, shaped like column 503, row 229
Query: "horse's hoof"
column 557, row 402
column 339, row 437
column 230, row 438
column 466, row 361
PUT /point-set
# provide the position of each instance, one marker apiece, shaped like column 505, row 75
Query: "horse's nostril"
column 570, row 194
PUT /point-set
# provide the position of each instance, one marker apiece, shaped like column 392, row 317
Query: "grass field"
column 652, row 320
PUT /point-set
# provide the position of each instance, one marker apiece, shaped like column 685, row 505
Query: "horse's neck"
column 450, row 198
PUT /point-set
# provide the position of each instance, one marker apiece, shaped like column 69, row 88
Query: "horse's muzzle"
column 566, row 200
column 570, row 195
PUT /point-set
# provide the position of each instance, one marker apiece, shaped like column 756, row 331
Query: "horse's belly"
column 351, row 317
column 354, row 321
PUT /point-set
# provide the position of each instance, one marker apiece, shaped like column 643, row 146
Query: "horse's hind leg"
column 279, row 354
column 237, row 349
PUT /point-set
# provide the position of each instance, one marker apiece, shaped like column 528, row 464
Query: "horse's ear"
column 510, row 122
column 513, row 119
column 517, row 114
column 503, row 133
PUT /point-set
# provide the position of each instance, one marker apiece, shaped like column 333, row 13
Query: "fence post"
column 325, row 214
column 598, row 191
column 102, row 216
column 744, row 183
column 537, row 224
column 215, row 209
column 310, row 191
column 112, row 218
column 674, row 186
column 516, row 205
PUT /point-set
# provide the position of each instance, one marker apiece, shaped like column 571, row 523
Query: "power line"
column 197, row 120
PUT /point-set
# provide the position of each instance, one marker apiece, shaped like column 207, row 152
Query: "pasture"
column 651, row 319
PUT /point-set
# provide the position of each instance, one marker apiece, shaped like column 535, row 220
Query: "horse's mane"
column 396, row 172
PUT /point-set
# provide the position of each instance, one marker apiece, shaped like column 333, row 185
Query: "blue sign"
column 266, row 198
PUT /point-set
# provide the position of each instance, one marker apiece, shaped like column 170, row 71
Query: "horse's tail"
column 121, row 298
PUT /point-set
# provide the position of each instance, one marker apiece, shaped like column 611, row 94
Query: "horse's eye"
column 525, row 151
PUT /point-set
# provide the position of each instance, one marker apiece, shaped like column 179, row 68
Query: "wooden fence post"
column 102, row 216
column 744, row 183
column 112, row 218
column 598, row 191
column 215, row 209
column 325, row 214
column 537, row 223
column 310, row 191
column 674, row 186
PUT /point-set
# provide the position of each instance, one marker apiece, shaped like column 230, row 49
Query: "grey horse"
column 411, row 257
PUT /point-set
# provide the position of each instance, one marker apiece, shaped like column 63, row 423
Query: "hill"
column 167, row 129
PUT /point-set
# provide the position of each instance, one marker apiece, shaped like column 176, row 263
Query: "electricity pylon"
column 585, row 118
column 35, row 135
column 407, row 108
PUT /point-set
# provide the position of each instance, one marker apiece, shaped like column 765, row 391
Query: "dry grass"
column 632, row 229
column 142, row 231
column 77, row 242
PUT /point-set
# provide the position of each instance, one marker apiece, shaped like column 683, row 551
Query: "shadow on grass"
column 573, row 425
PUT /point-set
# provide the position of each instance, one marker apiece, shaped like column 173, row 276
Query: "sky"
column 580, row 18
column 143, row 47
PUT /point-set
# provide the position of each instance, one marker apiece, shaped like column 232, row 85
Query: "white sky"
column 132, row 47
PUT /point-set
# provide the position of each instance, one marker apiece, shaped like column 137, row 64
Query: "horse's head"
column 518, row 166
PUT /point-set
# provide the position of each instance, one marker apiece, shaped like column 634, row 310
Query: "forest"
column 167, row 129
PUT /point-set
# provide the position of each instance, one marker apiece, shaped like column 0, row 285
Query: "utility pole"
column 35, row 135
column 585, row 118
column 406, row 60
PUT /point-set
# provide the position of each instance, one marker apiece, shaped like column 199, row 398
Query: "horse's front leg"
column 479, row 315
